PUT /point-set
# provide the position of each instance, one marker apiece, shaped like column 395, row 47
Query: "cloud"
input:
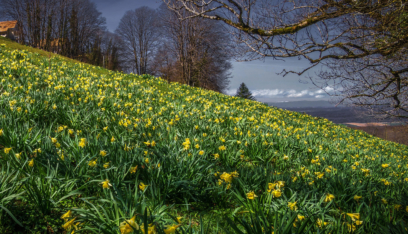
column 282, row 93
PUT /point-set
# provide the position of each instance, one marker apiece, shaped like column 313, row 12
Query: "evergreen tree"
column 244, row 92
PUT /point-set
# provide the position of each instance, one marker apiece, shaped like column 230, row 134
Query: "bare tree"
column 63, row 26
column 366, row 36
column 193, row 51
column 138, row 30
column 370, row 82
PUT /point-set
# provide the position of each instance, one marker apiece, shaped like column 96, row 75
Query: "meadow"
column 87, row 150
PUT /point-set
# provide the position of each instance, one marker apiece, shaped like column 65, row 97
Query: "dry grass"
column 397, row 134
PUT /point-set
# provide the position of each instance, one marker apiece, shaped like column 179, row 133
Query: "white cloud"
column 282, row 93
column 300, row 94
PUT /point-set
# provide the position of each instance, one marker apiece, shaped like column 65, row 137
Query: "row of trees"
column 73, row 28
column 192, row 51
column 362, row 44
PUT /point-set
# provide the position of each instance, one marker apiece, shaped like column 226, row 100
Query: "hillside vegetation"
column 88, row 150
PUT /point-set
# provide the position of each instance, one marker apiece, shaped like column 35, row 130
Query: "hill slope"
column 105, row 145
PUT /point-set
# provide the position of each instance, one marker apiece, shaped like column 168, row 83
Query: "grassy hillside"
column 93, row 151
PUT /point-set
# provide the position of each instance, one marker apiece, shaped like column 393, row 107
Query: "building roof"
column 6, row 25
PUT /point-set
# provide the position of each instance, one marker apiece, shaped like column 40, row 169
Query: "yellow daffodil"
column 271, row 186
column 329, row 197
column 281, row 184
column 385, row 165
column 292, row 205
column 251, row 195
column 82, row 142
column 150, row 230
column 67, row 215
column 68, row 225
column 354, row 216
column 128, row 226
column 384, row 201
column 7, row 150
column 320, row 223
column 179, row 219
column 142, row 186
column 102, row 153
column 357, row 197
column 31, row 163
column 171, row 229
column 133, row 170
column 277, row 193
column 226, row 177
column 1, row 132
column 106, row 184
column 106, row 165
column 358, row 222
column 93, row 163
column 351, row 227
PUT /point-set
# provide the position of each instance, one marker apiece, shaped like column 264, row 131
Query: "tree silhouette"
column 244, row 92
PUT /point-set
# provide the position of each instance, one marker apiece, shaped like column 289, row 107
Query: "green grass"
column 203, row 156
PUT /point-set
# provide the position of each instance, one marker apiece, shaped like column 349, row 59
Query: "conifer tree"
column 244, row 92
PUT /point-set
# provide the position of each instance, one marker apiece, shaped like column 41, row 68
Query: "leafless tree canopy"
column 67, row 24
column 139, row 31
column 193, row 51
column 362, row 42
column 73, row 28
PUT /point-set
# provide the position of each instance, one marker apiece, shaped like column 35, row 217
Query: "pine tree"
column 244, row 92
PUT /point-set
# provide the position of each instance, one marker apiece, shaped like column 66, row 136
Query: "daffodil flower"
column 31, row 163
column 354, row 216
column 251, row 195
column 7, row 150
column 128, row 226
column 142, row 186
column 329, row 197
column 68, row 225
column 292, row 205
column 357, row 197
column 106, row 184
column 66, row 215
column 171, row 229
column 133, row 169
column 277, row 193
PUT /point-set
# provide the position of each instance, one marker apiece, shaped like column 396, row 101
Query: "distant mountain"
column 301, row 104
column 325, row 109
